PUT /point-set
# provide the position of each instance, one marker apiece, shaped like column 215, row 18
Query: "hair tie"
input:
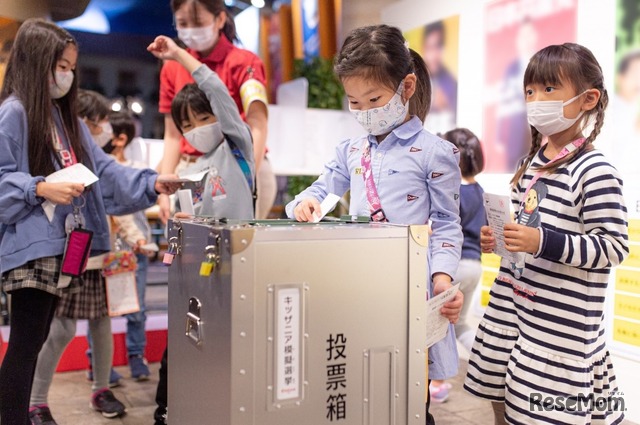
column 406, row 44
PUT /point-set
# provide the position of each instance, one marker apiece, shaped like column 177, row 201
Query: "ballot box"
column 284, row 323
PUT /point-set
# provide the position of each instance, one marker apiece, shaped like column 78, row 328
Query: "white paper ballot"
column 325, row 206
column 76, row 173
column 185, row 178
column 498, row 214
column 185, row 197
column 150, row 247
column 437, row 324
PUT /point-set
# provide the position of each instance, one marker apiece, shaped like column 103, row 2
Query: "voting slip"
column 325, row 206
column 498, row 214
column 76, row 173
column 437, row 324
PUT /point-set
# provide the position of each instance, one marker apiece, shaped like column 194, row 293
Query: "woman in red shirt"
column 208, row 32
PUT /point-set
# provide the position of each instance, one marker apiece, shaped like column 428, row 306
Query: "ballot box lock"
column 194, row 324
column 211, row 259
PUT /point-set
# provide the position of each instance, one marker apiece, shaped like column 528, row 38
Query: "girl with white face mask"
column 209, row 32
column 41, row 222
column 398, row 172
column 547, row 304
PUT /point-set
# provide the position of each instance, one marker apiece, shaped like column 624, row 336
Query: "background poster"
column 437, row 43
column 514, row 31
column 625, row 102
column 624, row 111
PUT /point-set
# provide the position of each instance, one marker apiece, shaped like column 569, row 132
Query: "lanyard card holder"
column 78, row 245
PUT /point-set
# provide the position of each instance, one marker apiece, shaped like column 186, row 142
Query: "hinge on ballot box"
column 174, row 242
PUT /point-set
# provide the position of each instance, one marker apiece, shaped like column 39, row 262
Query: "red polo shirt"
column 233, row 65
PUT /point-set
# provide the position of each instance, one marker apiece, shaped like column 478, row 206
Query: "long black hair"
column 215, row 7
column 32, row 63
column 379, row 52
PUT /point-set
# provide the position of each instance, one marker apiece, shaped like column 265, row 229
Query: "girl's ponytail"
column 421, row 100
column 229, row 29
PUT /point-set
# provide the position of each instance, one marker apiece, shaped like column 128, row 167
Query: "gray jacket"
column 226, row 192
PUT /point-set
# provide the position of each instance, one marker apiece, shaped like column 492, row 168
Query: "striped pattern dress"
column 540, row 346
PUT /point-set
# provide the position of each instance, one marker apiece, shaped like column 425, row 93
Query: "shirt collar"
column 402, row 132
column 219, row 52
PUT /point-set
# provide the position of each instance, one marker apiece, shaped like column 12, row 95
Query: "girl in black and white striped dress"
column 539, row 353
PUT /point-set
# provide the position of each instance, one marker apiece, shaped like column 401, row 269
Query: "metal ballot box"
column 283, row 323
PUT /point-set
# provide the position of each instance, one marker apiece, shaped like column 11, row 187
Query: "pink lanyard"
column 373, row 200
column 564, row 152
column 68, row 157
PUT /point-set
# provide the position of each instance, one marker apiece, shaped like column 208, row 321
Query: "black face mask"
column 108, row 148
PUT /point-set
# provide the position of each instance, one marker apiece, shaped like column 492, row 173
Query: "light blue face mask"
column 384, row 119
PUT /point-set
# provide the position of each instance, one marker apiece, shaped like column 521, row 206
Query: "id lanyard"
column 67, row 156
column 373, row 200
column 564, row 152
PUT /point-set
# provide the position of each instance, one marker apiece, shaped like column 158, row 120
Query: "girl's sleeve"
column 17, row 189
column 604, row 217
column 125, row 190
column 443, row 182
column 128, row 230
column 335, row 179
column 226, row 110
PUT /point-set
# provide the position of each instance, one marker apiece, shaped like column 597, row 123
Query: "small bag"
column 76, row 253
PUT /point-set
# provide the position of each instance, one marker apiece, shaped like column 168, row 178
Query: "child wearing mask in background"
column 472, row 218
column 135, row 231
column 208, row 118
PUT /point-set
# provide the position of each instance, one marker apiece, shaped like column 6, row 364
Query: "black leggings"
column 160, row 415
column 31, row 314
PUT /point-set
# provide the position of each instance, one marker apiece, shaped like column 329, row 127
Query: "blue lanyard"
column 244, row 166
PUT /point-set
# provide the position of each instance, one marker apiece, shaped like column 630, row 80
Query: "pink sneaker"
column 440, row 393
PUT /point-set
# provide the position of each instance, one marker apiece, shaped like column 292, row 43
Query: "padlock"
column 168, row 257
column 207, row 266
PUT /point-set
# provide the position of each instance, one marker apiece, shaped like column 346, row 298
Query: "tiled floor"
column 70, row 393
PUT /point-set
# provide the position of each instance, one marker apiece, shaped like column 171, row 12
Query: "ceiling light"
column 258, row 3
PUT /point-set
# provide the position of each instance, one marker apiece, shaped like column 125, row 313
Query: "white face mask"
column 205, row 138
column 547, row 116
column 381, row 120
column 198, row 38
column 61, row 85
column 105, row 137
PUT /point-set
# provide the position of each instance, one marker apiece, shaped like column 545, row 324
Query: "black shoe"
column 41, row 415
column 106, row 403
column 160, row 416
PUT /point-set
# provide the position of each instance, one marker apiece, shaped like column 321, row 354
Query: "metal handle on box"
column 194, row 324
